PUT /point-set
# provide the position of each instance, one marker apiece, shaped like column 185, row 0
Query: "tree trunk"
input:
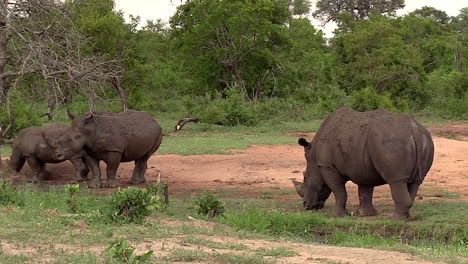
column 3, row 58
column 123, row 96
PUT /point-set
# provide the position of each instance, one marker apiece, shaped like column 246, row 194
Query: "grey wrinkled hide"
column 36, row 145
column 114, row 138
column 370, row 149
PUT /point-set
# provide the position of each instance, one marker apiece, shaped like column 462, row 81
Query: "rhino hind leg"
column 366, row 208
column 38, row 169
column 138, row 175
column 403, row 200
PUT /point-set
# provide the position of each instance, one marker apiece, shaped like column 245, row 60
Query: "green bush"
column 24, row 114
column 122, row 252
column 133, row 205
column 368, row 99
column 9, row 195
column 208, row 205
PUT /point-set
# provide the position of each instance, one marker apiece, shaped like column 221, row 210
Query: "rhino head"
column 313, row 189
column 61, row 141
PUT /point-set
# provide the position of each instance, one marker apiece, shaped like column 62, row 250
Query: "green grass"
column 437, row 231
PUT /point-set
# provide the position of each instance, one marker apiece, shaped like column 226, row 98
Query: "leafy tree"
column 333, row 10
column 375, row 55
column 232, row 43
column 432, row 13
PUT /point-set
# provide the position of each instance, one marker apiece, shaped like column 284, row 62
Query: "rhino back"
column 132, row 133
column 375, row 147
column 27, row 140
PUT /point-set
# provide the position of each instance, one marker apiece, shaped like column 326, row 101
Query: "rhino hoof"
column 138, row 181
column 366, row 212
column 93, row 185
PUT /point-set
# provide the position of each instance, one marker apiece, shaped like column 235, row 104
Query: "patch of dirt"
column 263, row 167
column 453, row 130
column 306, row 253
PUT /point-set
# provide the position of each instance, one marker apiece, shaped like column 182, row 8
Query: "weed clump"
column 133, row 205
column 72, row 191
column 9, row 195
column 209, row 205
column 121, row 251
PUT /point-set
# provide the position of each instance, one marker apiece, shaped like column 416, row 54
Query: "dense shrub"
column 24, row 114
column 133, row 205
column 208, row 205
column 9, row 195
column 368, row 99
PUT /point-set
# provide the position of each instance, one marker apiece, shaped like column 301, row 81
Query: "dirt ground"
column 263, row 167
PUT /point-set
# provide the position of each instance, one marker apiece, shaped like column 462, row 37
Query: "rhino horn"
column 299, row 187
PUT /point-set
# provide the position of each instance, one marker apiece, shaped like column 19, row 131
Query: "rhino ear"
column 70, row 114
column 303, row 142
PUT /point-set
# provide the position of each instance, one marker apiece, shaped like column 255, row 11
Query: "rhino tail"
column 423, row 145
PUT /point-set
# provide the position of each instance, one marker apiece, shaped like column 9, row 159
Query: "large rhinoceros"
column 370, row 149
column 115, row 138
column 37, row 146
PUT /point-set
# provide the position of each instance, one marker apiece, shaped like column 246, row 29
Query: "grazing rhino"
column 115, row 138
column 37, row 146
column 370, row 149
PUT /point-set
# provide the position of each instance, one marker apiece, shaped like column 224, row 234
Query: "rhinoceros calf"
column 37, row 146
column 370, row 149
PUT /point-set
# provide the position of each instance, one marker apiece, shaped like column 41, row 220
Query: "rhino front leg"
column 403, row 200
column 93, row 164
column 366, row 208
column 138, row 175
column 337, row 185
column 81, row 169
column 113, row 162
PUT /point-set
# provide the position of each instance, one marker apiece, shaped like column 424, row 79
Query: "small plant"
column 9, row 195
column 121, row 251
column 209, row 205
column 72, row 191
column 132, row 205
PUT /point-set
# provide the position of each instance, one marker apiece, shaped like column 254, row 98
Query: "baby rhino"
column 39, row 145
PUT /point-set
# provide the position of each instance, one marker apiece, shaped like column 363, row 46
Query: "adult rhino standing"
column 370, row 149
column 114, row 138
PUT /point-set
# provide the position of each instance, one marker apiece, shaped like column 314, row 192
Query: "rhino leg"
column 138, row 175
column 38, row 169
column 93, row 164
column 337, row 185
column 413, row 190
column 113, row 162
column 81, row 169
column 366, row 208
column 403, row 200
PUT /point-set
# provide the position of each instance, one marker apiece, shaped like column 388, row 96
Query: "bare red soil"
column 263, row 167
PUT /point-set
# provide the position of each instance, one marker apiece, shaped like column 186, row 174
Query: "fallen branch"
column 184, row 121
